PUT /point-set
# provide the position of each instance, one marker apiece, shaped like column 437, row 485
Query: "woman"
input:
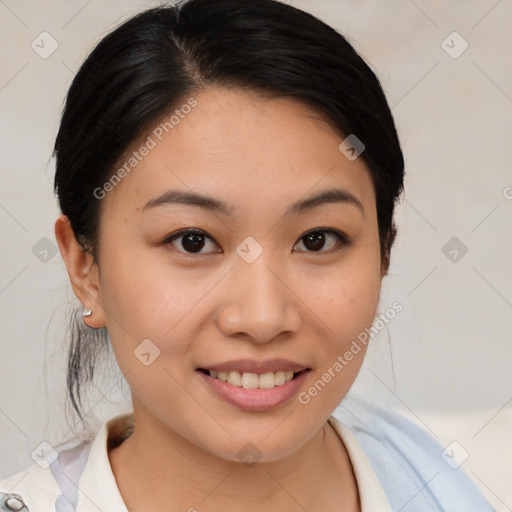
column 227, row 173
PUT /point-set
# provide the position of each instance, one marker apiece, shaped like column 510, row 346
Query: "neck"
column 169, row 469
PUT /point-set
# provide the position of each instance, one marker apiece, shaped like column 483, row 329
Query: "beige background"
column 450, row 346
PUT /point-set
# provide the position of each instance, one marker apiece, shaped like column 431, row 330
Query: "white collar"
column 99, row 490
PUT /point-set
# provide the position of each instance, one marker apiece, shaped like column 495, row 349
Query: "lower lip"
column 255, row 399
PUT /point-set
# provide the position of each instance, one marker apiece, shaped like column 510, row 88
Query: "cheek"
column 139, row 301
column 345, row 301
column 146, row 310
column 142, row 294
column 344, row 298
column 147, row 299
column 347, row 309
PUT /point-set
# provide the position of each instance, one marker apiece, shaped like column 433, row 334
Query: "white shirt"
column 98, row 490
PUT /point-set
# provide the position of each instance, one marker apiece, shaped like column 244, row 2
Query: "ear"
column 82, row 270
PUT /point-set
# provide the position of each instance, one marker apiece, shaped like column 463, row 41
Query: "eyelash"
column 342, row 240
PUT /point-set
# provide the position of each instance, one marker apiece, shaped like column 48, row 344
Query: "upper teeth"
column 253, row 380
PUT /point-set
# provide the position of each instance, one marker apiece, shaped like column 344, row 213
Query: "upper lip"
column 252, row 366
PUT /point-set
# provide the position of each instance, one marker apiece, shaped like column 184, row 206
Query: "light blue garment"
column 66, row 470
column 407, row 461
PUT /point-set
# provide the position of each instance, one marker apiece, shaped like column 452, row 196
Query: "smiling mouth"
column 249, row 380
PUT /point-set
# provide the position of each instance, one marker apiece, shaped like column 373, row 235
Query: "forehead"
column 245, row 149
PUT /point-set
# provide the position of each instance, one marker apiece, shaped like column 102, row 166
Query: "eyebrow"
column 334, row 195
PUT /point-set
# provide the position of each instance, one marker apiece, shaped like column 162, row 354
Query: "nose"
column 258, row 302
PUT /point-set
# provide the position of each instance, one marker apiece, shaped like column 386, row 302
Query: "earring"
column 87, row 312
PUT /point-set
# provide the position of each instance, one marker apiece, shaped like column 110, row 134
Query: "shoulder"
column 56, row 480
column 37, row 484
column 410, row 463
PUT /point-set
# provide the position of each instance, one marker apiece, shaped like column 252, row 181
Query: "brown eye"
column 190, row 241
column 193, row 242
column 316, row 241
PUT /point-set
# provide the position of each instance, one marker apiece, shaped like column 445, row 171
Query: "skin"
column 259, row 155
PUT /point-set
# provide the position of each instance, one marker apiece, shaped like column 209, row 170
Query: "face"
column 249, row 285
